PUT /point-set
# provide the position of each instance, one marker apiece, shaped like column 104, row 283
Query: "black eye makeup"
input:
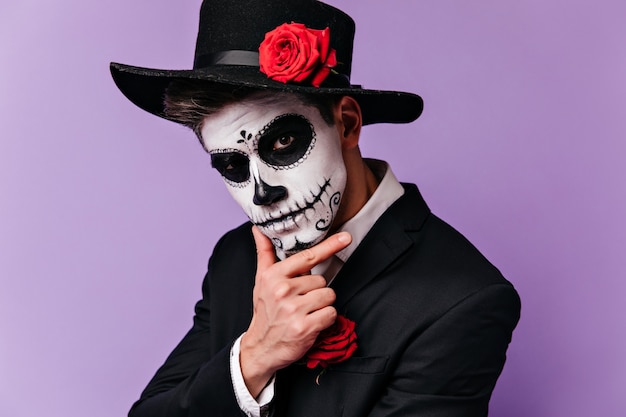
column 286, row 141
column 232, row 165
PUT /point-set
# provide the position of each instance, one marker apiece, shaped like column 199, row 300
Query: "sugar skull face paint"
column 283, row 165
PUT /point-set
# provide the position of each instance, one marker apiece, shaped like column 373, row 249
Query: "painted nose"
column 265, row 194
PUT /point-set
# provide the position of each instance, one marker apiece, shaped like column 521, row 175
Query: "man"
column 344, row 295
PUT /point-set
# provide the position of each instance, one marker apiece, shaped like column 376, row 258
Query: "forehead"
column 223, row 129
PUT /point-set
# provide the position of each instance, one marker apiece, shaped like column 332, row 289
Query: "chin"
column 292, row 243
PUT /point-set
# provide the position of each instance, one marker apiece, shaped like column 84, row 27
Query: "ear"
column 349, row 122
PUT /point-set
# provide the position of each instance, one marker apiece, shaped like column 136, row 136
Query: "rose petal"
column 334, row 345
column 293, row 52
column 324, row 43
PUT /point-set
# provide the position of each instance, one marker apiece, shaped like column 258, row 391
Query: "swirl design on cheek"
column 277, row 243
column 324, row 224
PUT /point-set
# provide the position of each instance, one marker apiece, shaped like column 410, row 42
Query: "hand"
column 291, row 307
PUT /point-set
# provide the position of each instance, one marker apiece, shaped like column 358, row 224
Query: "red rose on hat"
column 333, row 345
column 293, row 52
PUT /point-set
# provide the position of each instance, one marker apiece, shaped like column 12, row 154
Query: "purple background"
column 108, row 214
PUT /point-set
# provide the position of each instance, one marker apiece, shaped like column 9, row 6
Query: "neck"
column 360, row 186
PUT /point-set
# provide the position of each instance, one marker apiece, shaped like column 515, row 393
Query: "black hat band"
column 248, row 59
column 234, row 57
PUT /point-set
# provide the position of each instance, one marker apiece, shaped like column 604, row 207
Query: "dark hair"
column 189, row 102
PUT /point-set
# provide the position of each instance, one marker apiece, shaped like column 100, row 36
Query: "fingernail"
column 344, row 237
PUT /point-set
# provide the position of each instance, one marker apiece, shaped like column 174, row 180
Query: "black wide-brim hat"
column 227, row 53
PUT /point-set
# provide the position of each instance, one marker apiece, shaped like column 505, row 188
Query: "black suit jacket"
column 434, row 319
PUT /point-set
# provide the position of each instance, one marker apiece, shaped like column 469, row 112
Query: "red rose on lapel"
column 333, row 345
column 293, row 52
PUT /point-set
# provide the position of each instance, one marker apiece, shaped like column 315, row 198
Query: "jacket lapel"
column 388, row 239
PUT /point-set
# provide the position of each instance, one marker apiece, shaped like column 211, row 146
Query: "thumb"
column 266, row 256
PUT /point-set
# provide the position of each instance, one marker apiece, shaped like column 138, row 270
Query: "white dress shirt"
column 387, row 192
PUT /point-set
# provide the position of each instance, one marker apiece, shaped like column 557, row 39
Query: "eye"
column 234, row 166
column 283, row 142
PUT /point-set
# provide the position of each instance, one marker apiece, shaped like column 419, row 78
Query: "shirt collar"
column 387, row 192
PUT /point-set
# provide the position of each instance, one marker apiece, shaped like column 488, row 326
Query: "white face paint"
column 283, row 164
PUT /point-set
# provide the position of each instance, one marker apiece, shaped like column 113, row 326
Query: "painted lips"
column 290, row 220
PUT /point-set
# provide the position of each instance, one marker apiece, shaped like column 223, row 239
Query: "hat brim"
column 145, row 87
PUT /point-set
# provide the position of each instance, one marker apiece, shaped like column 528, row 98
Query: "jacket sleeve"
column 454, row 378
column 193, row 381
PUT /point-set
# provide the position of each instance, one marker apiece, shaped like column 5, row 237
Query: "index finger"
column 266, row 256
column 304, row 260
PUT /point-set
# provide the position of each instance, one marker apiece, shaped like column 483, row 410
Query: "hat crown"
column 227, row 53
column 241, row 25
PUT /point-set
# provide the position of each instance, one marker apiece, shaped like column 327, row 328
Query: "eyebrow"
column 225, row 152
column 271, row 128
column 239, row 141
column 281, row 122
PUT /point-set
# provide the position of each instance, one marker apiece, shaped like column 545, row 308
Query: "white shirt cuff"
column 249, row 405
